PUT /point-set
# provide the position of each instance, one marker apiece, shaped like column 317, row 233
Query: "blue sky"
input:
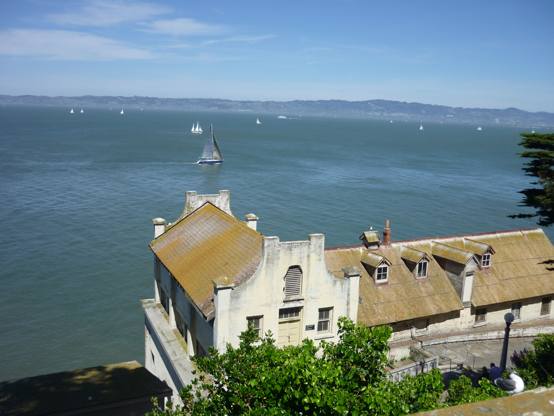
column 471, row 53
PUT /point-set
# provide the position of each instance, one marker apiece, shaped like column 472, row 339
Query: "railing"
column 413, row 368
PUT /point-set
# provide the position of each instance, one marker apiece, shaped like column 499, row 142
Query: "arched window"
column 293, row 282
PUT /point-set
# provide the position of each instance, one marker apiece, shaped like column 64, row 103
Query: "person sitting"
column 495, row 372
column 511, row 385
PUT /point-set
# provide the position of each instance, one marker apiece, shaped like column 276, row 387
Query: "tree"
column 347, row 377
column 540, row 166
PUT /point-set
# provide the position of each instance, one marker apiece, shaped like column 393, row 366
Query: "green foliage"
column 462, row 391
column 348, row 377
column 536, row 367
column 540, row 166
column 422, row 392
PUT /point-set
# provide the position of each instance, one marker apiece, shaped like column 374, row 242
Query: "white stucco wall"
column 530, row 311
column 154, row 362
column 263, row 294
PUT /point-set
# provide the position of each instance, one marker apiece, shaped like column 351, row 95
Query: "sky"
column 490, row 54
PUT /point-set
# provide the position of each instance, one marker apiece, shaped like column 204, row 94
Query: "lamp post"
column 509, row 318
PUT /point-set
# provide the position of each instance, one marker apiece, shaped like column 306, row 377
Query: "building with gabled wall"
column 215, row 275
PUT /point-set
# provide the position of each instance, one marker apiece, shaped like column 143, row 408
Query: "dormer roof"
column 413, row 255
column 477, row 247
column 374, row 260
column 370, row 237
column 449, row 252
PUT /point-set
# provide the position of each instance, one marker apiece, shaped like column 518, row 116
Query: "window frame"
column 546, row 306
column 295, row 317
column 164, row 299
column 480, row 316
column 328, row 320
column 486, row 260
column 376, row 275
column 180, row 321
column 417, row 270
column 259, row 319
column 516, row 307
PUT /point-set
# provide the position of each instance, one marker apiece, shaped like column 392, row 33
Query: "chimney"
column 251, row 221
column 386, row 233
column 159, row 226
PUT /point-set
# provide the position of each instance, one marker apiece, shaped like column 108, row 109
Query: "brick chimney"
column 386, row 233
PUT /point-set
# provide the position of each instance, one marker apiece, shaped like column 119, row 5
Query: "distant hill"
column 373, row 109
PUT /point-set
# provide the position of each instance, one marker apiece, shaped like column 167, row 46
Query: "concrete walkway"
column 476, row 354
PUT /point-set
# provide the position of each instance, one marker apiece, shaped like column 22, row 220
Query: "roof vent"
column 370, row 239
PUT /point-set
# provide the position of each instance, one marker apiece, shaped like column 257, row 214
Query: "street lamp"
column 508, row 318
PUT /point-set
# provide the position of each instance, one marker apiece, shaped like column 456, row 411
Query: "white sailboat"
column 390, row 121
column 282, row 117
column 82, row 111
column 122, row 112
column 258, row 121
column 211, row 155
column 71, row 111
column 479, row 128
column 196, row 129
column 420, row 127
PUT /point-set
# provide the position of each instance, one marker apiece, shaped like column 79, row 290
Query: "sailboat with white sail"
column 420, row 126
column 211, row 155
column 71, row 111
column 196, row 129
column 122, row 112
column 82, row 111
column 258, row 122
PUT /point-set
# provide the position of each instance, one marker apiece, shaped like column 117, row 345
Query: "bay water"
column 78, row 192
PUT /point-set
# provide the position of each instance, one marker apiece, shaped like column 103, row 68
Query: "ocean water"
column 78, row 192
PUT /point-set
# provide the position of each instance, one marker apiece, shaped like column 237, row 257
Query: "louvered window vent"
column 293, row 282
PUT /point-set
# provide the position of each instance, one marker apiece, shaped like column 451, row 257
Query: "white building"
column 214, row 274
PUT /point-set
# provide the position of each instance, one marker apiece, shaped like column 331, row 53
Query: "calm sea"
column 78, row 192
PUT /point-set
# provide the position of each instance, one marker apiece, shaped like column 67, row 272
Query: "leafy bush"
column 536, row 366
column 462, row 391
column 347, row 377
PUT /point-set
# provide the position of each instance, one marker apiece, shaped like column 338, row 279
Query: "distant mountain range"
column 371, row 109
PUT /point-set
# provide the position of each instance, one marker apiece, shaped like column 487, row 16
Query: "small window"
column 255, row 322
column 152, row 355
column 382, row 273
column 516, row 311
column 422, row 326
column 293, row 282
column 421, row 270
column 480, row 316
column 164, row 300
column 486, row 260
column 545, row 306
column 289, row 313
column 181, row 325
column 324, row 320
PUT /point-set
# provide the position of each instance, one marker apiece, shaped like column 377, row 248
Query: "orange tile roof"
column 205, row 246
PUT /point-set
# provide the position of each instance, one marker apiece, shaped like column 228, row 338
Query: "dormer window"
column 421, row 269
column 486, row 260
column 382, row 274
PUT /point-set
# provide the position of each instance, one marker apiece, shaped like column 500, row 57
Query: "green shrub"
column 536, row 366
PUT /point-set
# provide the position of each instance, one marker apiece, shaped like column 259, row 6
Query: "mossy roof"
column 207, row 246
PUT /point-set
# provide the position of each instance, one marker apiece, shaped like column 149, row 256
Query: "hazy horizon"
column 270, row 100
column 473, row 55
